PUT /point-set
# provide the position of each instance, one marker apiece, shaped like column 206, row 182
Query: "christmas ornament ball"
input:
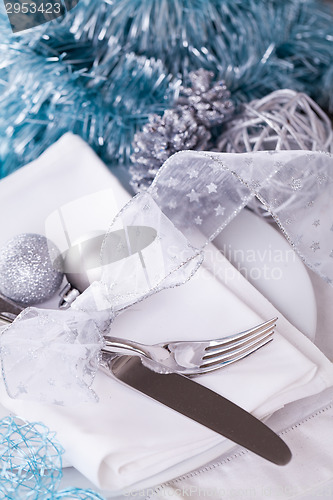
column 27, row 271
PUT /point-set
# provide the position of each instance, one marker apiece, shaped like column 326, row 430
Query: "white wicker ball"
column 283, row 120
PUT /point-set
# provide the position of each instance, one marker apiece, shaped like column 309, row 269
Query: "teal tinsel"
column 104, row 67
column 328, row 89
column 43, row 97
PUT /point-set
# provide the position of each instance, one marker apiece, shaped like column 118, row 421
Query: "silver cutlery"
column 6, row 318
column 195, row 357
column 189, row 398
column 9, row 306
column 200, row 404
column 188, row 358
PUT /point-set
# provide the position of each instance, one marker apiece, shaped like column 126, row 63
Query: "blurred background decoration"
column 31, row 461
column 103, row 69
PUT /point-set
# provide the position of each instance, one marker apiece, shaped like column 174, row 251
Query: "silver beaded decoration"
column 27, row 273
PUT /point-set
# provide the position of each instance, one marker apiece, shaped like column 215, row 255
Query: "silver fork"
column 196, row 357
column 188, row 357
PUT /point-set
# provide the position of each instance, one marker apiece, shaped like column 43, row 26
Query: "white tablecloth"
column 241, row 474
column 310, row 435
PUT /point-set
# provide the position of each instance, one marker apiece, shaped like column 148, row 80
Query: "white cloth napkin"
column 128, row 441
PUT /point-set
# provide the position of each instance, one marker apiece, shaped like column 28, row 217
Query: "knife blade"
column 203, row 405
column 9, row 305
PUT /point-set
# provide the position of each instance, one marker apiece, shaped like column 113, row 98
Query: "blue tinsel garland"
column 103, row 68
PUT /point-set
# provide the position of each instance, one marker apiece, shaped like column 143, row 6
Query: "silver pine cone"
column 210, row 103
column 188, row 126
column 161, row 137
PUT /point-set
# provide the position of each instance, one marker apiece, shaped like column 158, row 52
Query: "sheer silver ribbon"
column 53, row 355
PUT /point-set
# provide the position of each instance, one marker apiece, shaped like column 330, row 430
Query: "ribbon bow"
column 53, row 355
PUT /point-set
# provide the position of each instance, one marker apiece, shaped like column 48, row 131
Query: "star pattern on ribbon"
column 212, row 188
column 192, row 173
column 172, row 204
column 315, row 246
column 172, row 182
column 193, row 196
column 219, row 210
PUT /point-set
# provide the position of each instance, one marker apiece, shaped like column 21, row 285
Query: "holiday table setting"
column 232, row 179
column 98, row 437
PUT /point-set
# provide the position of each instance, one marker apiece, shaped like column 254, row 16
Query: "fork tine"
column 218, row 365
column 213, row 351
column 241, row 337
column 223, row 356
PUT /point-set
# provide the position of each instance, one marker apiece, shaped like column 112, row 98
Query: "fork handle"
column 117, row 345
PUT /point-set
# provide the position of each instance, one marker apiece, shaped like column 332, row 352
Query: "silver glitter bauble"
column 27, row 273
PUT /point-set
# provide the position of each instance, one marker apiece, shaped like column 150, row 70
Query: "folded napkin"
column 127, row 441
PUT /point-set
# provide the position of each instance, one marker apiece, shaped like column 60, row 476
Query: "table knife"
column 197, row 402
column 12, row 308
column 201, row 404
